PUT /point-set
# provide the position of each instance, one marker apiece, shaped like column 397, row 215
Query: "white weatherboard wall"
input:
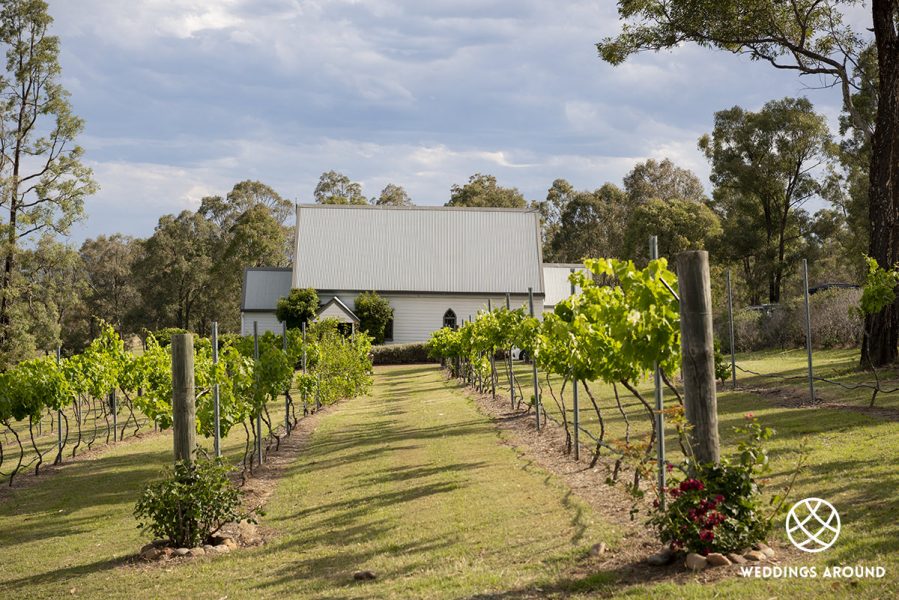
column 415, row 316
column 267, row 321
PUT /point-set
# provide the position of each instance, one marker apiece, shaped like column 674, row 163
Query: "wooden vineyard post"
column 59, row 417
column 509, row 360
column 492, row 358
column 698, row 350
column 184, row 419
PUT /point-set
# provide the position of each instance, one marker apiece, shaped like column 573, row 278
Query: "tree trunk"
column 879, row 346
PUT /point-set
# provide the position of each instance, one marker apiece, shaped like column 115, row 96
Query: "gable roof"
column 263, row 287
column 417, row 249
column 336, row 309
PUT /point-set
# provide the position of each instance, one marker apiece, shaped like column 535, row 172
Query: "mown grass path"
column 411, row 483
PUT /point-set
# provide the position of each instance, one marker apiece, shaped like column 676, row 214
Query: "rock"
column 695, row 562
column 598, row 549
column 223, row 549
column 764, row 549
column 736, row 558
column 230, row 543
column 663, row 557
column 180, row 551
column 150, row 553
column 717, row 560
column 166, row 552
column 198, row 551
column 364, row 576
column 755, row 556
column 208, row 548
column 217, row 539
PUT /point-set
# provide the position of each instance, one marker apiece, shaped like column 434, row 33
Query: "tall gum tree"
column 43, row 182
column 811, row 38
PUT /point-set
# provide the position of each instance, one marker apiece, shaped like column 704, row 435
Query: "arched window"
column 449, row 319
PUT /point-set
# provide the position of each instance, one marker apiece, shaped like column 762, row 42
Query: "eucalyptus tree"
column 662, row 180
column 484, row 191
column 810, row 37
column 393, row 195
column 766, row 165
column 44, row 181
column 590, row 224
column 337, row 188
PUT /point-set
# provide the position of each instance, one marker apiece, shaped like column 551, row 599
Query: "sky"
column 184, row 98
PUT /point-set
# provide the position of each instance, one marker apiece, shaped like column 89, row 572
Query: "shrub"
column 300, row 306
column 190, row 503
column 836, row 323
column 718, row 508
column 401, row 354
column 374, row 314
column 836, row 319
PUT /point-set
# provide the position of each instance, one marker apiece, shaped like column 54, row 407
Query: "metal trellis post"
column 534, row 364
column 575, row 404
column 808, row 331
column 259, row 409
column 59, row 413
column 730, row 316
column 287, row 391
column 660, row 405
column 303, row 392
column 217, row 425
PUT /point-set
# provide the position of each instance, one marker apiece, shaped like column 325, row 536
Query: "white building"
column 435, row 265
column 556, row 286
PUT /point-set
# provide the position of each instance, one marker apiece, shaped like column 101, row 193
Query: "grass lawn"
column 414, row 484
column 411, row 483
column 852, row 463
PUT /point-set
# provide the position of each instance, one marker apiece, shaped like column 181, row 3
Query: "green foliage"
column 718, row 508
column 722, row 364
column 763, row 169
column 400, row 354
column 300, row 306
column 190, row 503
column 393, row 195
column 679, row 224
column 482, row 190
column 336, row 188
column 879, row 290
column 44, row 181
column 374, row 314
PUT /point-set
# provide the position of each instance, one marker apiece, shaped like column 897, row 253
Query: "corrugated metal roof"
column 263, row 287
column 555, row 278
column 418, row 249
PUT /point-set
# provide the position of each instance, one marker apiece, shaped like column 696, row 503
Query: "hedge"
column 400, row 354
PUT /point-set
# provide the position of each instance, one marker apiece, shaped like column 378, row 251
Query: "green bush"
column 164, row 336
column 190, row 503
column 300, row 306
column 374, row 314
column 719, row 508
column 401, row 354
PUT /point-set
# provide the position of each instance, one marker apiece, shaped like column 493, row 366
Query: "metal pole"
column 115, row 416
column 259, row 409
column 217, row 425
column 59, row 414
column 730, row 316
column 509, row 359
column 576, row 405
column 660, row 404
column 305, row 405
column 534, row 364
column 287, row 391
column 492, row 358
column 808, row 331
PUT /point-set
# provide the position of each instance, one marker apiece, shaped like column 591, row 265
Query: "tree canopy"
column 337, row 188
column 483, row 190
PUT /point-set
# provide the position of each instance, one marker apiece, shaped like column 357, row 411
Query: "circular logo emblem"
column 813, row 525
